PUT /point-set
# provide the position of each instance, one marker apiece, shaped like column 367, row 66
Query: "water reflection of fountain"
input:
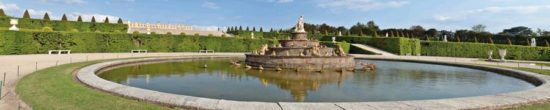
column 299, row 83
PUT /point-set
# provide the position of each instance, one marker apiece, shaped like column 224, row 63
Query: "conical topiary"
column 2, row 14
column 120, row 21
column 106, row 19
column 93, row 19
column 46, row 17
column 26, row 14
column 64, row 18
column 79, row 19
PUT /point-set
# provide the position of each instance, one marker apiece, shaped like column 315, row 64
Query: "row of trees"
column 46, row 18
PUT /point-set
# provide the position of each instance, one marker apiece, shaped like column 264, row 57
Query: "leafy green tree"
column 93, row 19
column 247, row 28
column 26, row 15
column 517, row 31
column 253, row 29
column 417, row 31
column 371, row 28
column 106, row 19
column 261, row 29
column 479, row 28
column 79, row 19
column 240, row 28
column 357, row 29
column 2, row 14
column 120, row 21
column 64, row 18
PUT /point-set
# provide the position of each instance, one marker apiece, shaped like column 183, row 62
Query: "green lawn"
column 56, row 89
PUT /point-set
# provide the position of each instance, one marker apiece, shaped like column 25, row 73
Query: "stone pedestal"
column 299, row 36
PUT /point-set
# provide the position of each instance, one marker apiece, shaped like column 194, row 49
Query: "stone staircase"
column 373, row 49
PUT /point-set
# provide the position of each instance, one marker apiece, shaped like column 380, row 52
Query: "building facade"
column 174, row 29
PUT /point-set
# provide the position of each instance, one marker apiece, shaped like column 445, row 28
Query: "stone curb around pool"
column 87, row 76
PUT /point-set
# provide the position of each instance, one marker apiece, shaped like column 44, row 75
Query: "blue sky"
column 441, row 14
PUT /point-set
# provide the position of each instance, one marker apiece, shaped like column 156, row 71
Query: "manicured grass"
column 56, row 89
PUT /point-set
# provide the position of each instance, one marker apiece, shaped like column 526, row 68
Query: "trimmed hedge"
column 396, row 45
column 38, row 24
column 29, row 42
column 479, row 50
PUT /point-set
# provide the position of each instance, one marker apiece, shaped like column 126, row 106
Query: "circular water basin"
column 392, row 81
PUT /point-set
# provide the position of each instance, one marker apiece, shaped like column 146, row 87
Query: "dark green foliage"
column 93, row 19
column 2, row 14
column 46, row 20
column 22, row 42
column 120, row 21
column 479, row 50
column 79, row 19
column 106, row 20
column 64, row 18
column 26, row 15
column 46, row 17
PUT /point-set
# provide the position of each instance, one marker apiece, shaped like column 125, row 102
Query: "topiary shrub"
column 47, row 29
column 73, row 30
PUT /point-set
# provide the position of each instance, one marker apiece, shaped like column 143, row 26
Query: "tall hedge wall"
column 38, row 24
column 31, row 42
column 479, row 50
column 396, row 45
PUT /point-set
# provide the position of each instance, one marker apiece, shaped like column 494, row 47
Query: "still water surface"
column 392, row 81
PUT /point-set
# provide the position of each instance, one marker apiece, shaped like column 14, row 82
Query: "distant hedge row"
column 480, row 50
column 396, row 45
column 31, row 42
column 55, row 25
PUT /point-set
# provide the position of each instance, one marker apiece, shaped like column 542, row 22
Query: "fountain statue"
column 301, row 54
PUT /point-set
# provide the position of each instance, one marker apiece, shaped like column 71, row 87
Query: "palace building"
column 175, row 29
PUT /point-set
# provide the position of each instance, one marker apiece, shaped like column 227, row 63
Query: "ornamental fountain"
column 300, row 54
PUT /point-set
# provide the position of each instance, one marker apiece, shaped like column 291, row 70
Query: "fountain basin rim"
column 87, row 76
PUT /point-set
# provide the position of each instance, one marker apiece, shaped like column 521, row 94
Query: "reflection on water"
column 390, row 82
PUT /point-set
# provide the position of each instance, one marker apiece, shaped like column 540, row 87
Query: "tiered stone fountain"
column 301, row 54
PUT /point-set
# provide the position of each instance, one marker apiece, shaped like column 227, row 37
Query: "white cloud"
column 362, row 5
column 88, row 17
column 39, row 13
column 9, row 6
column 511, row 10
column 210, row 5
column 65, row 1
